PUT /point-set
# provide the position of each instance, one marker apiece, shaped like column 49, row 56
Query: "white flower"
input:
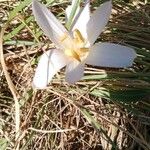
column 76, row 47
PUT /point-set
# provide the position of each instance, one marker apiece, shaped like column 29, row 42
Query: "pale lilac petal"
column 111, row 55
column 67, row 12
column 98, row 21
column 81, row 20
column 48, row 23
column 50, row 63
column 74, row 71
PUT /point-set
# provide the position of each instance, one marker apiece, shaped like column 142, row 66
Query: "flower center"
column 74, row 47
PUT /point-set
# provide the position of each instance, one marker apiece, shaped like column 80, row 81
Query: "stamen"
column 64, row 37
column 73, row 54
column 74, row 47
column 83, row 49
column 78, row 36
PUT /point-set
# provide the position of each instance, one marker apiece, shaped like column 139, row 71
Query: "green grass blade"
column 16, row 30
column 122, row 95
column 72, row 14
column 20, row 42
column 96, row 125
column 14, row 12
column 3, row 144
column 117, row 75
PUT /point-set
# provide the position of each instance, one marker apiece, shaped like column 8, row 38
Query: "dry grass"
column 66, row 116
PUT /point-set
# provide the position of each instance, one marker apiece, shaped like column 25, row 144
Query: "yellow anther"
column 84, row 50
column 78, row 36
column 64, row 37
column 73, row 54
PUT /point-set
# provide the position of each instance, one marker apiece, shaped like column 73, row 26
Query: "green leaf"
column 96, row 125
column 123, row 95
column 3, row 144
column 17, row 29
column 14, row 12
column 117, row 75
column 72, row 14
column 19, row 42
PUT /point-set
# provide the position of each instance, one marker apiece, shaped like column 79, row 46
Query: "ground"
column 107, row 109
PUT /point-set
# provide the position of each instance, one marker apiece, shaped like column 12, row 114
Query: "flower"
column 76, row 47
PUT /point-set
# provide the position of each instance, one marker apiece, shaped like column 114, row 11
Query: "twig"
column 51, row 131
column 12, row 89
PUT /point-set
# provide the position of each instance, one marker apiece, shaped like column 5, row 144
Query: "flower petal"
column 111, row 55
column 48, row 22
column 98, row 21
column 81, row 20
column 50, row 63
column 67, row 12
column 74, row 72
